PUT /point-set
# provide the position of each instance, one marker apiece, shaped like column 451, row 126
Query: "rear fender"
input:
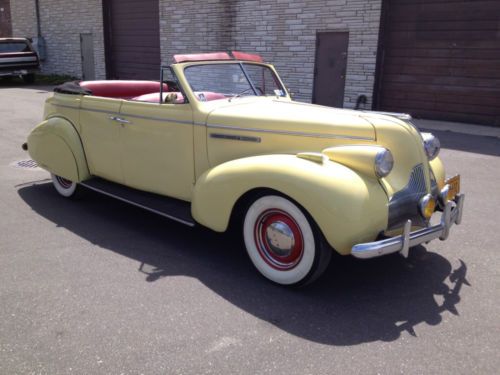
column 56, row 146
column 347, row 206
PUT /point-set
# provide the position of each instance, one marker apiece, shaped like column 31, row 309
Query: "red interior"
column 144, row 91
column 122, row 89
column 155, row 97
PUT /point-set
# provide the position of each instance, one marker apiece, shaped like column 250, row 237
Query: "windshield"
column 6, row 47
column 233, row 80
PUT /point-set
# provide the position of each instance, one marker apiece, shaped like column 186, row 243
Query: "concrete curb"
column 457, row 127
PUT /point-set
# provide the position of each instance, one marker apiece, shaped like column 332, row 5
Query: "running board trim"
column 174, row 218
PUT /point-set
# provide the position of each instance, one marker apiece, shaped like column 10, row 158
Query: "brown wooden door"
column 330, row 68
column 441, row 60
column 5, row 20
column 132, row 33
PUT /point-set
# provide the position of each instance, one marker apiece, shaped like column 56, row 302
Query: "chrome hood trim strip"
column 291, row 133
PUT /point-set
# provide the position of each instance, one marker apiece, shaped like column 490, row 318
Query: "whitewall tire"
column 64, row 186
column 282, row 243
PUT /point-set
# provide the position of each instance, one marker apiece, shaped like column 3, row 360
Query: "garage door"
column 132, row 39
column 441, row 60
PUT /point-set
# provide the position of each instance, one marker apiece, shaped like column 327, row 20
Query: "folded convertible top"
column 72, row 88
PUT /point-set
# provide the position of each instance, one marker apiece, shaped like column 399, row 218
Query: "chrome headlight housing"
column 432, row 145
column 383, row 163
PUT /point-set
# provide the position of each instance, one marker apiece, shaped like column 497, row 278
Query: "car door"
column 100, row 134
column 157, row 148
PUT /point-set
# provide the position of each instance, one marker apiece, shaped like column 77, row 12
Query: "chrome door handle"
column 120, row 120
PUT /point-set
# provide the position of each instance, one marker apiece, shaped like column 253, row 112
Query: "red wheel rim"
column 279, row 239
column 65, row 184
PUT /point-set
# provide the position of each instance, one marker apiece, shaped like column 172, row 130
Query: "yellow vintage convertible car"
column 219, row 141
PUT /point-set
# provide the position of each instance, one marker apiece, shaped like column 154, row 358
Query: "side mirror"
column 170, row 98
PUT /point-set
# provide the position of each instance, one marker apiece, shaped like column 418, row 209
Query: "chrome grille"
column 404, row 204
column 417, row 180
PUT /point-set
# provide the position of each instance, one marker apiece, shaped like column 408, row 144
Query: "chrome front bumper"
column 452, row 214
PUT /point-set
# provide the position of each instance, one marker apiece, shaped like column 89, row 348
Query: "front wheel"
column 64, row 186
column 283, row 244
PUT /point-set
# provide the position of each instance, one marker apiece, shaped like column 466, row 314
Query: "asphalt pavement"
column 94, row 286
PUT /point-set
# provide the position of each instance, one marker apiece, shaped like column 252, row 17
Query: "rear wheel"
column 283, row 243
column 64, row 186
column 29, row 78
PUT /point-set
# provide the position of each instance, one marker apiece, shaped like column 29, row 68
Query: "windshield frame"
column 241, row 64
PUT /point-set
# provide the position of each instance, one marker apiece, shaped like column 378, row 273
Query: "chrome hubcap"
column 279, row 239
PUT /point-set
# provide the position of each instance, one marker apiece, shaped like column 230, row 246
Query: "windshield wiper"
column 240, row 94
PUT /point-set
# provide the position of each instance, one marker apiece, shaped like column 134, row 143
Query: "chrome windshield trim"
column 286, row 132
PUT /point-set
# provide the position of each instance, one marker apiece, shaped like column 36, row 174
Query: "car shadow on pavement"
column 354, row 302
column 479, row 144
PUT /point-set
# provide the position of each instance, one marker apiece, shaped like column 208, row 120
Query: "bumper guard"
column 452, row 214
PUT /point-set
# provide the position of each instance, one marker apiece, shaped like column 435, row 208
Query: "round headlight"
column 431, row 145
column 383, row 163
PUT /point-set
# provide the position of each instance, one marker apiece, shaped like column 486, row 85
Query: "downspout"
column 39, row 43
column 37, row 11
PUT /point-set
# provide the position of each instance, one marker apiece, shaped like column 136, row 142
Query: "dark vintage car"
column 18, row 58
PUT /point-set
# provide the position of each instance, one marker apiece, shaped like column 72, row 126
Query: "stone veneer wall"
column 283, row 31
column 62, row 22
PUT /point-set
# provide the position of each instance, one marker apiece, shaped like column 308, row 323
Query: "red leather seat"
column 122, row 89
column 155, row 97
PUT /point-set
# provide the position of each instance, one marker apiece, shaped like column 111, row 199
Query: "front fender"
column 348, row 207
column 439, row 171
column 56, row 146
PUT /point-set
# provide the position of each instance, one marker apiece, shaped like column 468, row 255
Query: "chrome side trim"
column 398, row 115
column 188, row 223
column 18, row 59
column 286, row 132
column 111, row 113
column 162, row 119
column 227, row 127
column 452, row 214
column 65, row 106
column 235, row 137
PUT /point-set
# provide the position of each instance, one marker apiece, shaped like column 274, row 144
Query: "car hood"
column 315, row 128
column 288, row 117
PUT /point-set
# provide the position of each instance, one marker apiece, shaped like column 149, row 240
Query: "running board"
column 171, row 208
